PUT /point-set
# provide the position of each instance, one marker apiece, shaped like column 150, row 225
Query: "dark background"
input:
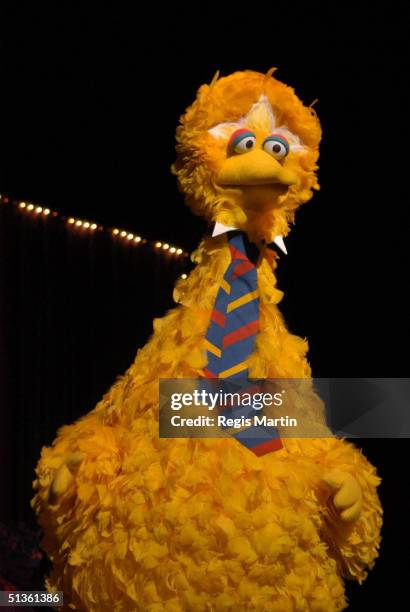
column 90, row 101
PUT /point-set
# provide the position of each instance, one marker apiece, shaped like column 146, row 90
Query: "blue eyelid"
column 277, row 138
column 240, row 137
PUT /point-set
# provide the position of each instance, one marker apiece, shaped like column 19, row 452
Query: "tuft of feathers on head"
column 214, row 79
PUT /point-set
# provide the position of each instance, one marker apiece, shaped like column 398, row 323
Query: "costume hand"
column 64, row 476
column 347, row 498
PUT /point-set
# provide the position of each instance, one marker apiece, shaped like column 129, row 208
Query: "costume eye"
column 242, row 141
column 276, row 145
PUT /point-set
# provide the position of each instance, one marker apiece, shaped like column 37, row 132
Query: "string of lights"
column 85, row 226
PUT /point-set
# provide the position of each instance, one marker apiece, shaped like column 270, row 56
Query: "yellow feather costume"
column 134, row 522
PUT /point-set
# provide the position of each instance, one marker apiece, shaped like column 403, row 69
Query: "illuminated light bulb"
column 116, row 231
column 30, row 206
column 93, row 226
column 22, row 205
column 165, row 246
column 158, row 245
column 137, row 239
column 71, row 220
column 184, row 276
column 123, row 234
column 46, row 211
column 39, row 210
column 87, row 225
column 172, row 250
column 78, row 223
column 179, row 251
column 130, row 236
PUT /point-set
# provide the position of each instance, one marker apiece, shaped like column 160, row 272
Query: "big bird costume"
column 135, row 522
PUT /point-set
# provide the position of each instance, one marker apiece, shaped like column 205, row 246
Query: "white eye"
column 276, row 145
column 242, row 141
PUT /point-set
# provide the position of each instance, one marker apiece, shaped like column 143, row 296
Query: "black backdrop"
column 90, row 103
column 77, row 305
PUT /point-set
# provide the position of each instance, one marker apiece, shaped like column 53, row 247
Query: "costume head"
column 247, row 152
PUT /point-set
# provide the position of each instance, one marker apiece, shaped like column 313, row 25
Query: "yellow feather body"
column 202, row 524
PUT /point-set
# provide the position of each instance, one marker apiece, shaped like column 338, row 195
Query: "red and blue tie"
column 230, row 338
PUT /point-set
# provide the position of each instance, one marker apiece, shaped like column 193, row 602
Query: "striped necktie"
column 230, row 338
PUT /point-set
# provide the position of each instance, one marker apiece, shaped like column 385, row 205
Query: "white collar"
column 220, row 228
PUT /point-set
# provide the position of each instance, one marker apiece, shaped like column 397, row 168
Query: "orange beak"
column 254, row 168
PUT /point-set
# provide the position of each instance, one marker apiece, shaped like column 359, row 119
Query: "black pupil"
column 276, row 148
column 249, row 144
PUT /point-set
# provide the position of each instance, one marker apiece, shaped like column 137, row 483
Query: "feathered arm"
column 72, row 475
column 347, row 489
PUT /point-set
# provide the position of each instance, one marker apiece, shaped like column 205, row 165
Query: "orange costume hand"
column 64, row 476
column 347, row 498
